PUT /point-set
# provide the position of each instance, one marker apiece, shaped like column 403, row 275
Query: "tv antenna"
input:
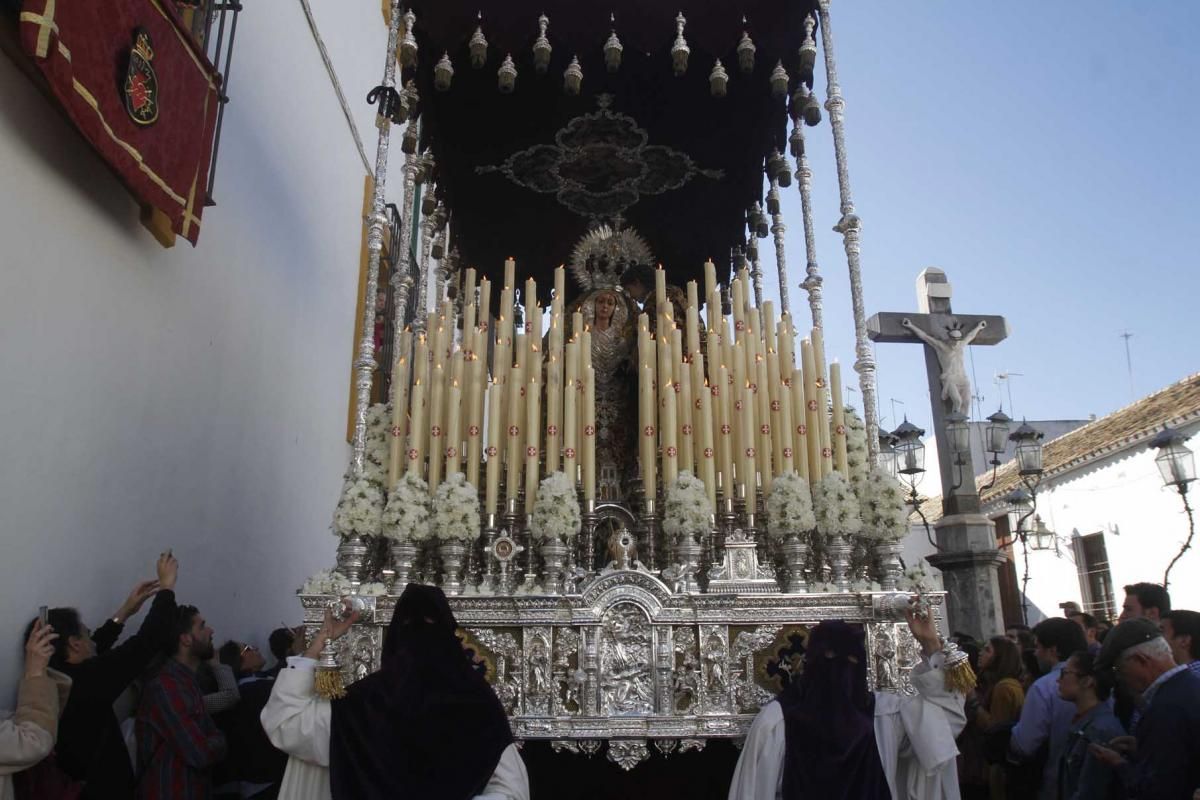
column 1006, row 378
column 1126, row 335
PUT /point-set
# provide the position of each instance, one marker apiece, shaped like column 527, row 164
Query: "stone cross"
column 946, row 336
column 967, row 554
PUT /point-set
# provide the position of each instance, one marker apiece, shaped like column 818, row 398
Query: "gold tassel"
column 329, row 684
column 959, row 675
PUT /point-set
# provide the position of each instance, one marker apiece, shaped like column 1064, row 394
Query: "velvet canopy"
column 524, row 174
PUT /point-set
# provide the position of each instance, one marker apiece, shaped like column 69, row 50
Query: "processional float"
column 637, row 513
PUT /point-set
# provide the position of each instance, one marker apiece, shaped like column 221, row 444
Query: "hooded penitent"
column 427, row 724
column 829, row 721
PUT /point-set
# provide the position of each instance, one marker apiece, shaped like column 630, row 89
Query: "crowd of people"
column 163, row 714
column 1077, row 708
column 1074, row 708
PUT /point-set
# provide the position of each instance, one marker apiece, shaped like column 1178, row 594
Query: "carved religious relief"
column 540, row 686
column 686, row 674
column 626, row 677
column 569, row 676
column 714, row 660
column 748, row 695
column 505, row 655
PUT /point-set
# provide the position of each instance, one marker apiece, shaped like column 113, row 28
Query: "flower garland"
column 378, row 445
column 884, row 510
column 836, row 506
column 919, row 578
column 857, row 457
column 685, row 507
column 326, row 581
column 359, row 510
column 789, row 506
column 406, row 517
column 556, row 511
column 456, row 509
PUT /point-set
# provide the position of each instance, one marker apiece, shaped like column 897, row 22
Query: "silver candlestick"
column 889, row 564
column 404, row 553
column 588, row 549
column 554, row 554
column 839, row 556
column 649, row 534
column 531, row 572
column 452, row 551
column 490, row 532
column 351, row 557
column 795, row 551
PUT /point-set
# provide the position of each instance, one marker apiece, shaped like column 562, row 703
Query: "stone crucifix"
column 946, row 336
column 967, row 555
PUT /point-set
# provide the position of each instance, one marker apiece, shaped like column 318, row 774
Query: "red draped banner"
column 85, row 48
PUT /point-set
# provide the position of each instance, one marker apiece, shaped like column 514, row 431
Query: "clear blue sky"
column 1045, row 156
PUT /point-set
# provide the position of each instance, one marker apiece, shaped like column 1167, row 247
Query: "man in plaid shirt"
column 177, row 741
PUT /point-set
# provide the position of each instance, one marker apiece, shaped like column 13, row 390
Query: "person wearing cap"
column 1045, row 723
column 1163, row 760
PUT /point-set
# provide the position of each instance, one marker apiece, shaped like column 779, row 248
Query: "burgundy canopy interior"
column 687, row 211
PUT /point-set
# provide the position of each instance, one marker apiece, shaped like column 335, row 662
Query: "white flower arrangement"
column 406, row 517
column 884, row 509
column 378, row 444
column 789, row 506
column 374, row 589
column 359, row 510
column 836, row 506
column 857, row 457
column 326, row 581
column 920, row 578
column 685, row 507
column 455, row 509
column 865, row 586
column 556, row 511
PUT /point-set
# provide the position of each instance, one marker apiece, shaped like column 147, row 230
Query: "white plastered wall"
column 184, row 398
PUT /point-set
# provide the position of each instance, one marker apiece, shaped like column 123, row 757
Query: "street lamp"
column 996, row 442
column 1178, row 468
column 886, row 459
column 1043, row 538
column 1021, row 505
column 1029, row 454
column 958, row 433
column 910, row 453
column 909, row 457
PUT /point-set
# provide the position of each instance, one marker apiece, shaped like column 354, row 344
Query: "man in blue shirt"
column 1164, row 763
column 1045, row 723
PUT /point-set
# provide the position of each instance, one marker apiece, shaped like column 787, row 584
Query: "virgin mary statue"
column 611, row 315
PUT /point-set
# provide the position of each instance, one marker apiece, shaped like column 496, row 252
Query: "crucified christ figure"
column 955, row 386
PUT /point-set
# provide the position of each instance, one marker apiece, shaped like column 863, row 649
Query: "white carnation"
column 556, row 510
column 359, row 510
column 789, row 506
column 884, row 509
column 836, row 506
column 456, row 509
column 326, row 581
column 406, row 517
column 685, row 507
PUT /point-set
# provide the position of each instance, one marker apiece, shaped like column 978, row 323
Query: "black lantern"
column 958, row 432
column 887, row 453
column 1175, row 461
column 1042, row 538
column 910, row 451
column 1020, row 506
column 997, row 434
column 1029, row 450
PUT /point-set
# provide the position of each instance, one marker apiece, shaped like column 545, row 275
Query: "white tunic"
column 297, row 721
column 915, row 737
